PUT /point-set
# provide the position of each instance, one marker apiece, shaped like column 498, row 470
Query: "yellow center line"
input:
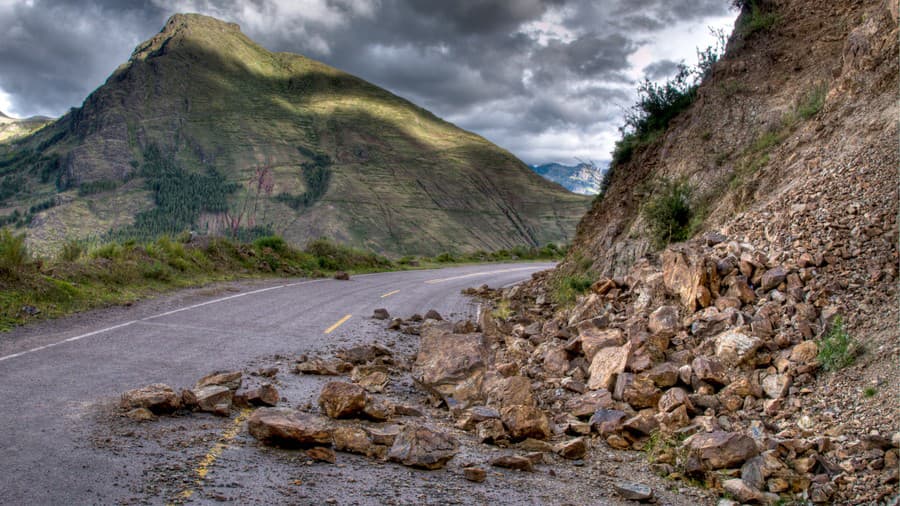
column 340, row 322
column 215, row 452
column 390, row 293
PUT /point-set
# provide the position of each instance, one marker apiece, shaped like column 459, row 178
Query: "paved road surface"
column 54, row 374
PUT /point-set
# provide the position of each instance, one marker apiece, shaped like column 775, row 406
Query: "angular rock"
column 141, row 415
column 805, row 352
column 287, row 427
column 228, row 379
column 664, row 320
column 490, row 431
column 321, row 454
column 516, row 462
column 641, row 393
column 664, row 375
column 264, row 395
column 158, row 398
column 643, row 423
column 734, row 347
column 745, row 493
column 381, row 314
column 451, row 366
column 423, row 447
column 371, row 379
column 319, row 367
column 555, row 362
column 352, row 440
column 340, row 399
column 772, row 278
column 378, row 410
column 214, row 399
column 573, row 449
column 510, row 391
column 709, row 370
column 593, row 340
column 341, row 276
column 588, row 403
column 474, row 474
column 673, row 398
column 607, row 363
column 633, row 491
column 433, row 315
column 776, row 385
column 608, row 421
column 720, row 449
column 525, row 422
column 384, row 435
column 363, row 353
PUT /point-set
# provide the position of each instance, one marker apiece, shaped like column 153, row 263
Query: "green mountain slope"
column 292, row 144
column 13, row 128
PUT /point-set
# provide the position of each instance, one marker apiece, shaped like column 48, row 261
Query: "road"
column 56, row 377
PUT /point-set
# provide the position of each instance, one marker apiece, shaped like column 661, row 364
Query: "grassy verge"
column 82, row 278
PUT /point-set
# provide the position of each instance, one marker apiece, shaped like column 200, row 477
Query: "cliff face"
column 765, row 173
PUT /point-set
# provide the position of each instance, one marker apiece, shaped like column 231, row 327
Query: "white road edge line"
column 114, row 327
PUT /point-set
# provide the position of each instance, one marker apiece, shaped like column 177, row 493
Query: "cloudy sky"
column 547, row 79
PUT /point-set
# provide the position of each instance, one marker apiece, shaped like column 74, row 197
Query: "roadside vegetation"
column 837, row 349
column 84, row 275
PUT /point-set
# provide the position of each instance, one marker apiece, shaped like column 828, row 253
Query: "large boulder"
column 720, row 449
column 664, row 321
column 606, row 364
column 287, row 427
column 423, row 447
column 593, row 340
column 525, row 422
column 511, row 391
column 340, row 399
column 451, row 366
column 158, row 398
column 686, row 277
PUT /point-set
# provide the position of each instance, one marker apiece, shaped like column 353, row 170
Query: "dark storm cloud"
column 528, row 74
column 661, row 69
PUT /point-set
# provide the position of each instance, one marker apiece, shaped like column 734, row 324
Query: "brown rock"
column 264, row 395
column 341, row 276
column 745, row 493
column 719, row 449
column 741, row 290
column 475, row 474
column 608, row 421
column 340, row 399
column 385, row 436
column 555, row 362
column 363, row 353
column 214, row 399
column 319, row 367
column 371, row 379
column 141, row 415
column 664, row 320
column 663, row 375
column 644, row 423
column 490, row 431
column 516, row 462
column 525, row 422
column 433, row 315
column 593, row 340
column 618, row 442
column 734, row 347
column 683, row 276
column 573, row 449
column 158, row 398
column 641, row 393
column 633, row 491
column 509, row 391
column 451, row 366
column 709, row 370
column 381, row 314
column 805, row 352
column 287, row 427
column 776, row 385
column 607, row 363
column 321, row 454
column 378, row 410
column 772, row 278
column 586, row 404
column 228, row 379
column 673, row 398
column 423, row 447
column 352, row 440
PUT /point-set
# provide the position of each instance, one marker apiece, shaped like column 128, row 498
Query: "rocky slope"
column 717, row 354
column 584, row 178
column 313, row 152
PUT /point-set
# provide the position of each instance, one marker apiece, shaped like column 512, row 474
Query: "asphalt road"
column 55, row 376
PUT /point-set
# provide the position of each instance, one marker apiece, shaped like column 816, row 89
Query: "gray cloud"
column 547, row 79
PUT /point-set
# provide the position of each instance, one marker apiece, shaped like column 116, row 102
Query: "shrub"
column 837, row 349
column 567, row 288
column 669, row 213
column 757, row 20
column 13, row 252
column 109, row 251
column 445, row 258
column 71, row 251
column 812, row 102
column 273, row 242
column 503, row 310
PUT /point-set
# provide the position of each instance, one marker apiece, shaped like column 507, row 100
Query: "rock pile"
column 701, row 359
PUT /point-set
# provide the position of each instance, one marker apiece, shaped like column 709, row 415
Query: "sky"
column 549, row 80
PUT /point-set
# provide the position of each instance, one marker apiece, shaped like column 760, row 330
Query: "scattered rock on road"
column 423, row 447
column 288, row 427
column 158, row 398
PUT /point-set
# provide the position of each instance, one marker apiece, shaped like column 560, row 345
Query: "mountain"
column 13, row 128
column 202, row 128
column 584, row 178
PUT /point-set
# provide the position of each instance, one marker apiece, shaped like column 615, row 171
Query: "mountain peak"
column 189, row 26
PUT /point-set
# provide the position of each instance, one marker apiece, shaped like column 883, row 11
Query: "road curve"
column 54, row 374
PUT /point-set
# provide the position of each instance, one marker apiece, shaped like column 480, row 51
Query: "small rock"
column 288, row 427
column 321, row 454
column 772, row 278
column 433, row 315
column 422, row 447
column 720, row 449
column 805, row 352
column 158, row 398
column 341, row 276
column 606, row 364
column 381, row 314
column 476, row 474
column 352, row 440
column 517, row 462
column 525, row 422
column 214, row 399
column 342, row 400
column 573, row 449
column 141, row 415
column 734, row 347
column 264, row 395
column 607, row 421
column 633, row 491
column 490, row 431
column 228, row 379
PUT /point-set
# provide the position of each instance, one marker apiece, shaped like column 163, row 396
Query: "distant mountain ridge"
column 14, row 128
column 204, row 129
column 584, row 178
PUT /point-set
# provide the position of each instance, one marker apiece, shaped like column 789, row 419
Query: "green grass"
column 565, row 289
column 837, row 349
column 757, row 21
column 812, row 102
column 503, row 310
column 669, row 212
column 870, row 391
